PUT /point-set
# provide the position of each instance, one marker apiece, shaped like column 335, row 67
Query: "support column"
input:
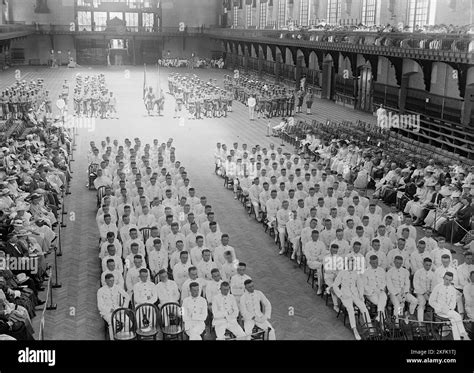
column 468, row 106
column 298, row 70
column 134, row 56
column 278, row 67
column 402, row 98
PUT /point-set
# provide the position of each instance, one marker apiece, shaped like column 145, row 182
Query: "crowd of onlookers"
column 194, row 62
column 34, row 174
column 427, row 29
column 382, row 36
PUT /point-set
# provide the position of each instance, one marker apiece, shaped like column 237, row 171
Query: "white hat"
column 456, row 194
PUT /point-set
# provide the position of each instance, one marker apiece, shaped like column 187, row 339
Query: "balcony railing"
column 75, row 28
column 430, row 46
column 128, row 4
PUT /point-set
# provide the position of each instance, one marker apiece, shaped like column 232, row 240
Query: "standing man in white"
column 252, row 102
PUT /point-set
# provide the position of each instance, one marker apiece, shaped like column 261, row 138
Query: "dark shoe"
column 41, row 302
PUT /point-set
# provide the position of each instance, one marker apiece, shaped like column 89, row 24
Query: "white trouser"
column 380, row 299
column 398, row 300
column 421, row 307
column 249, row 324
column 349, row 302
column 295, row 241
column 455, row 318
column 282, row 234
column 252, row 112
column 194, row 329
column 317, row 266
column 222, row 325
column 329, row 278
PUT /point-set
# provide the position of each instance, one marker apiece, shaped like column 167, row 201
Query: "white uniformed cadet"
column 157, row 258
column 330, row 262
column 206, row 265
column 180, row 270
column 398, row 285
column 167, row 290
column 118, row 277
column 375, row 283
column 314, row 251
column 144, row 291
column 294, row 228
column 443, row 301
column 283, row 217
column 219, row 251
column 109, row 298
column 256, row 310
column 349, row 287
column 194, row 310
column 229, row 268
column 225, row 312
column 468, row 292
column 213, row 286
column 424, row 281
column 237, row 281
column 192, row 277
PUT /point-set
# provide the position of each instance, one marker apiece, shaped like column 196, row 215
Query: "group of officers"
column 270, row 100
column 92, row 98
column 361, row 258
column 201, row 99
column 146, row 187
column 22, row 97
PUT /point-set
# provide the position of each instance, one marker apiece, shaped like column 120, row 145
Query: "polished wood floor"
column 298, row 314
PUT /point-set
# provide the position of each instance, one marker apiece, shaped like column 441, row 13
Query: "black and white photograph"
column 198, row 180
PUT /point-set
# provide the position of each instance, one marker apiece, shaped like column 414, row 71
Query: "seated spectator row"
column 160, row 246
column 364, row 259
column 34, row 174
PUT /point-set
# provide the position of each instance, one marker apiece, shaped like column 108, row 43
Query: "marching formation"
column 268, row 100
column 162, row 250
column 17, row 101
column 201, row 99
column 93, row 99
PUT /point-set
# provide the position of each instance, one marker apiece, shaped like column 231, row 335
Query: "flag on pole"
column 144, row 83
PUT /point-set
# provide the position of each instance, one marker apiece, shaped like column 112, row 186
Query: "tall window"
column 84, row 21
column 334, row 11
column 281, row 13
column 304, row 12
column 248, row 15
column 100, row 21
column 235, row 15
column 148, row 21
column 131, row 21
column 418, row 13
column 369, row 8
column 263, row 15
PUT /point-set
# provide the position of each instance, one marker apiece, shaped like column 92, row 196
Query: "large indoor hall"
column 236, row 171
